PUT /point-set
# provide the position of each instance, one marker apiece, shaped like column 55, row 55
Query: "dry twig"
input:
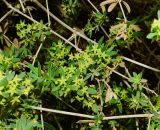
column 92, row 117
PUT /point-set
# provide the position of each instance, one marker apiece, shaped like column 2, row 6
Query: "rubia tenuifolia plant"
column 81, row 77
column 155, row 29
column 154, row 35
column 85, row 77
column 123, row 34
column 40, row 66
column 16, row 85
column 16, row 90
column 70, row 8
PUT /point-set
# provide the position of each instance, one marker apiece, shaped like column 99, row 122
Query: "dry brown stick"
column 140, row 64
column 58, row 124
column 64, row 24
column 149, row 123
column 7, row 38
column 149, row 57
column 127, row 71
column 92, row 117
column 42, row 120
column 100, row 93
column 123, row 76
column 137, row 124
column 85, row 121
column 49, row 21
column 3, row 17
column 34, row 58
column 21, row 3
column 151, row 91
column 33, row 20
column 19, row 12
column 119, row 1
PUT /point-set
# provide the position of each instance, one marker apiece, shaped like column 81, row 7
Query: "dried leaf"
column 112, row 6
column 5, row 28
column 121, row 35
column 127, row 6
column 124, row 27
column 116, row 27
column 122, row 32
column 107, row 2
column 122, row 64
column 136, row 28
column 110, row 94
column 1, row 29
column 16, row 43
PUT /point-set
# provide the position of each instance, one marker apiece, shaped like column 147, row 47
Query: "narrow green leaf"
column 49, row 126
column 95, row 108
column 3, row 82
column 151, row 35
column 92, row 91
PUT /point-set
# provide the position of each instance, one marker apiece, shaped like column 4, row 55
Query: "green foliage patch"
column 90, row 77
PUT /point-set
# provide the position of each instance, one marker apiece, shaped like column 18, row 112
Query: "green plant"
column 24, row 124
column 74, row 73
column 155, row 29
column 15, row 89
column 40, row 71
column 94, row 24
column 70, row 7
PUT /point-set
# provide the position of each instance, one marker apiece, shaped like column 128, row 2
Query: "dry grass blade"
column 127, row 6
column 112, row 6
